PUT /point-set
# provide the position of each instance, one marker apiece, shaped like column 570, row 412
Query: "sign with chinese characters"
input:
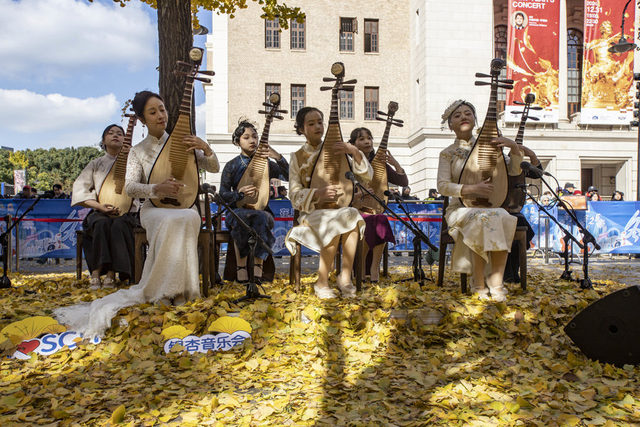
column 607, row 78
column 532, row 57
column 219, row 342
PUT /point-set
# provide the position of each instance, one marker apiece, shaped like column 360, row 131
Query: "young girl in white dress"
column 322, row 229
column 483, row 236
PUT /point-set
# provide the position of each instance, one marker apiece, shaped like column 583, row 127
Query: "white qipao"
column 171, row 267
column 318, row 227
column 480, row 230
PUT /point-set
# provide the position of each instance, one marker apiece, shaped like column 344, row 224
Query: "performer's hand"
column 482, row 189
column 248, row 190
column 342, row 147
column 109, row 210
column 274, row 154
column 502, row 142
column 193, row 142
column 530, row 154
column 393, row 162
column 168, row 188
column 330, row 192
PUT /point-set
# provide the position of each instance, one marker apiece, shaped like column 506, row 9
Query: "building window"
column 272, row 33
column 370, row 103
column 348, row 26
column 346, row 104
column 297, row 30
column 500, row 51
column 371, row 35
column 574, row 70
column 270, row 88
column 297, row 98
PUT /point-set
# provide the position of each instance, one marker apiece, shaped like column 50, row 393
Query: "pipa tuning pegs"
column 398, row 121
column 350, row 82
column 398, row 124
column 482, row 83
column 536, row 108
column 202, row 79
column 535, row 119
column 207, row 72
column 278, row 117
column 382, row 119
column 505, row 86
column 347, row 88
column 382, row 113
column 508, row 81
column 262, row 112
column 329, row 79
column 326, row 87
column 282, row 111
column 519, row 103
column 482, row 75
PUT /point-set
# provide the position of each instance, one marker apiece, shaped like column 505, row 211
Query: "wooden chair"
column 446, row 239
column 295, row 264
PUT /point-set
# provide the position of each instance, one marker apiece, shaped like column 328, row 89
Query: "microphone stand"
column 4, row 241
column 587, row 237
column 252, row 291
column 566, row 275
column 419, row 236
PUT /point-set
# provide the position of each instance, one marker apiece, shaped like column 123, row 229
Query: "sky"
column 68, row 66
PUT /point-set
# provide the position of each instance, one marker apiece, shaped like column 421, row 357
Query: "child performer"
column 378, row 231
column 246, row 137
column 482, row 235
column 322, row 229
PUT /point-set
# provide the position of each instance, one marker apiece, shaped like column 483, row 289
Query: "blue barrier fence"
column 49, row 230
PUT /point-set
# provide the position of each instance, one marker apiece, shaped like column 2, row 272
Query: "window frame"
column 349, row 105
column 347, row 40
column 371, row 34
column 295, row 34
column 370, row 90
column 274, row 32
column 267, row 93
column 304, row 98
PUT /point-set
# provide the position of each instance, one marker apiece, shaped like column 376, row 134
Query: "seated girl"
column 482, row 236
column 108, row 233
column 246, row 137
column 377, row 231
column 323, row 229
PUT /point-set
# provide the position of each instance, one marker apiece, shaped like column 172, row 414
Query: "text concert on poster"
column 532, row 57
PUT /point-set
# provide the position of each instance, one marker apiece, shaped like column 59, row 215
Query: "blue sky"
column 68, row 66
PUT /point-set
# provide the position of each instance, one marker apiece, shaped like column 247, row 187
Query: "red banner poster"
column 532, row 57
column 607, row 78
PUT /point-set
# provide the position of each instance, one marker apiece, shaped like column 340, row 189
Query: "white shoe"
column 108, row 282
column 499, row 294
column 348, row 290
column 324, row 293
column 94, row 283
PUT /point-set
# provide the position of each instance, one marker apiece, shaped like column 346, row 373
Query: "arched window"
column 574, row 69
column 500, row 51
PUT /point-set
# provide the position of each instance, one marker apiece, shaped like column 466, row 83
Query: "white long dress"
column 480, row 230
column 318, row 227
column 171, row 267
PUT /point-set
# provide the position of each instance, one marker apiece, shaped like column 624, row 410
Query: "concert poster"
column 532, row 57
column 607, row 78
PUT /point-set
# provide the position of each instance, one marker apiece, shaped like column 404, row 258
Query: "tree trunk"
column 175, row 38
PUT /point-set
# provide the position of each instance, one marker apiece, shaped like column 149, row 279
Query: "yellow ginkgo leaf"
column 175, row 331
column 230, row 325
column 31, row 327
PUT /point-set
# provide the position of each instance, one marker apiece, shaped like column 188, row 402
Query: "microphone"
column 394, row 196
column 350, row 176
column 205, row 187
column 532, row 170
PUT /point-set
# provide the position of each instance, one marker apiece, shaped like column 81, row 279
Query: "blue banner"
column 48, row 231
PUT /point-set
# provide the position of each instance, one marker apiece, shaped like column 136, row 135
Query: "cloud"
column 24, row 111
column 47, row 39
column 201, row 120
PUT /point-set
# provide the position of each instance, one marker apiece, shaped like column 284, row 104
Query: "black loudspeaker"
column 609, row 329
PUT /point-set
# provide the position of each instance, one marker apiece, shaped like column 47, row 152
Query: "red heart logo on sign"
column 27, row 347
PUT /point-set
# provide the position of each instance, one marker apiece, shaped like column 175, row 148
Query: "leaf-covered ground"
column 374, row 360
